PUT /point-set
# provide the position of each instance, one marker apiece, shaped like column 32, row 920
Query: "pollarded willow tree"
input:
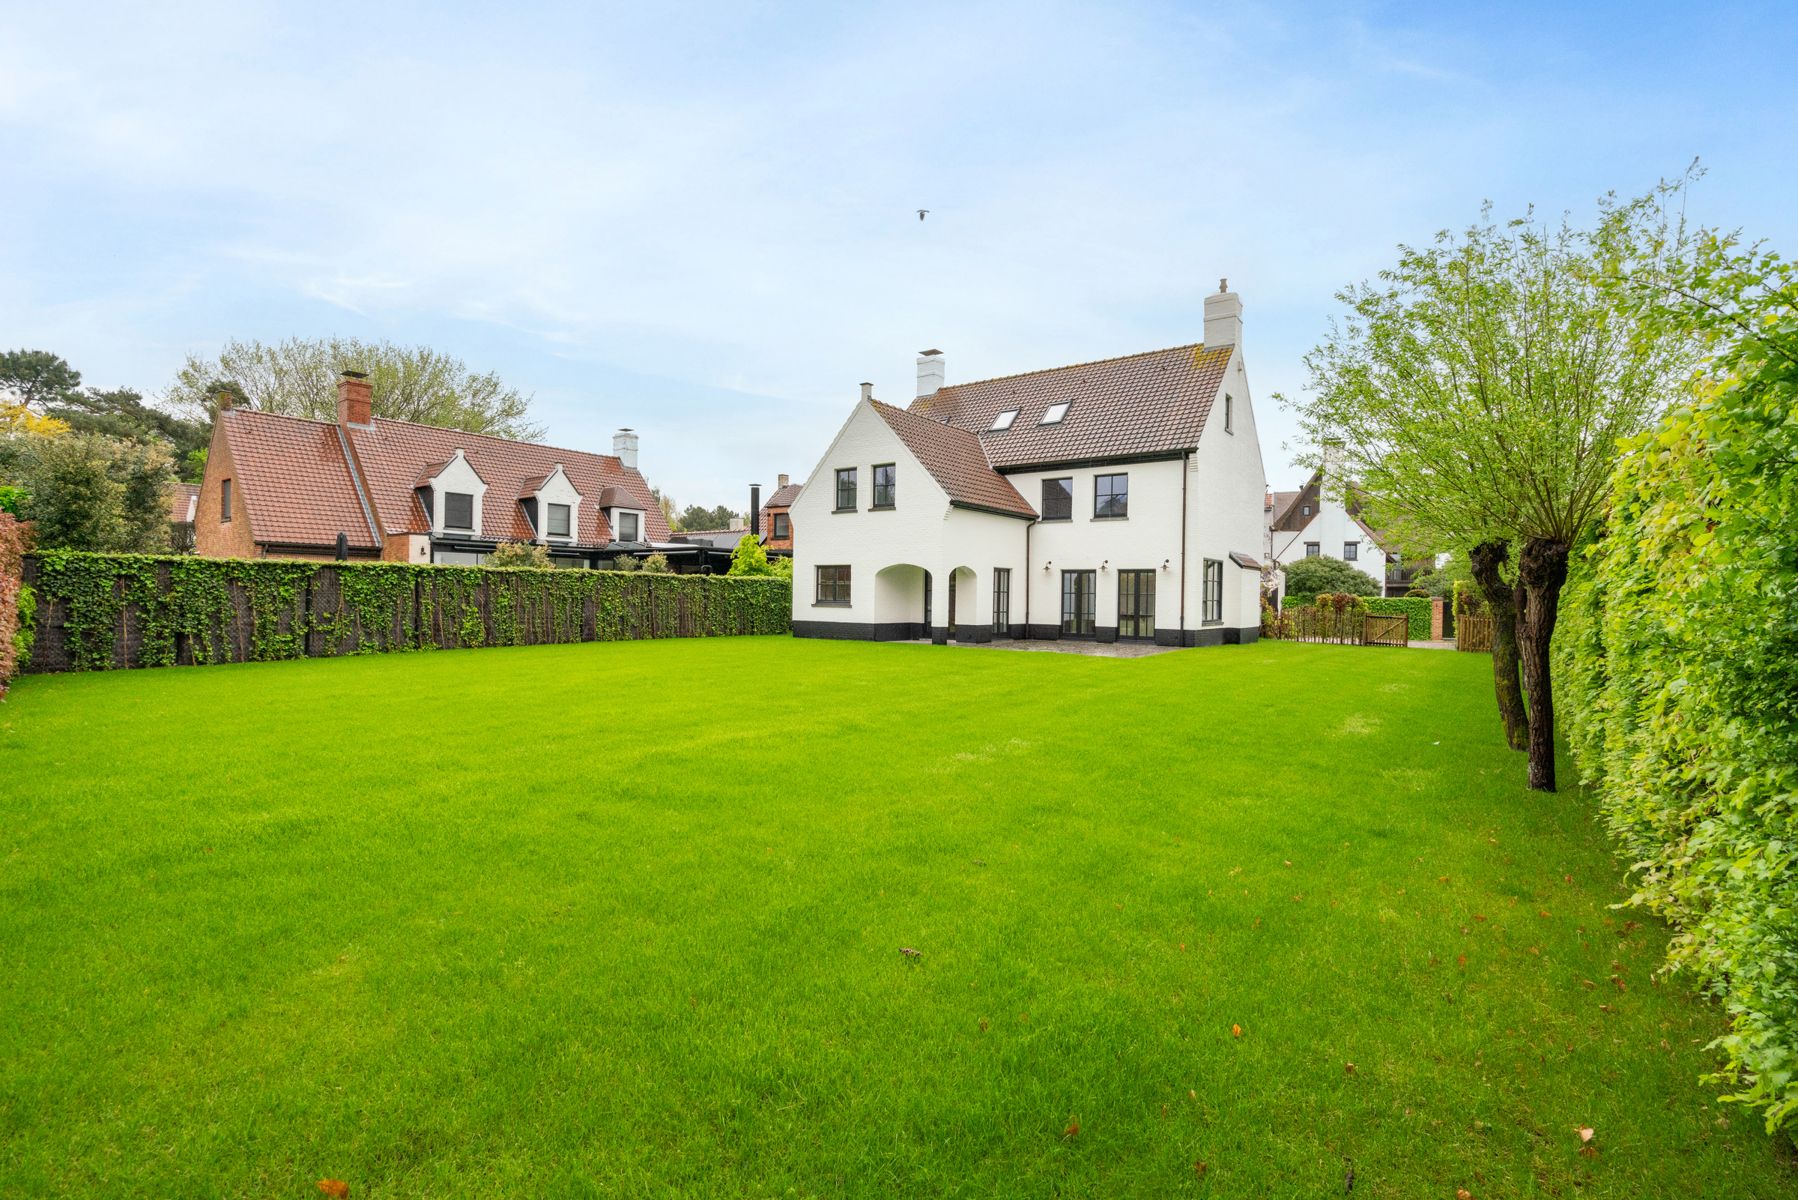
column 1479, row 391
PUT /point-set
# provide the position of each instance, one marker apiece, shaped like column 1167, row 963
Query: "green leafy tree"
column 86, row 491
column 519, row 554
column 656, row 564
column 1310, row 577
column 1479, row 392
column 298, row 377
column 122, row 413
column 750, row 559
column 37, row 378
column 696, row 516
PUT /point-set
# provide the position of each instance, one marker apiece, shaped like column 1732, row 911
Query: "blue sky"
column 697, row 220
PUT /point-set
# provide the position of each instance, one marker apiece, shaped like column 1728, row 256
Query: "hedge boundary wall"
column 99, row 612
column 15, row 601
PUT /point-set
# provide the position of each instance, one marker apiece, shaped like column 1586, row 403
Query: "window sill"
column 881, row 507
column 1055, row 520
column 834, row 511
column 1125, row 517
column 831, row 604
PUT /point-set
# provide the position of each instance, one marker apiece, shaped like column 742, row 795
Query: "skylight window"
column 1054, row 414
column 1004, row 420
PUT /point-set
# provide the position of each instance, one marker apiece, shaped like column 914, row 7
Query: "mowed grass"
column 626, row 920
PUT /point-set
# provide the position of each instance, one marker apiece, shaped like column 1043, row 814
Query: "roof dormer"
column 452, row 493
column 552, row 506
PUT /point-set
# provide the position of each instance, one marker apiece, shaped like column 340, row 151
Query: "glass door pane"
column 1136, row 604
column 1079, row 591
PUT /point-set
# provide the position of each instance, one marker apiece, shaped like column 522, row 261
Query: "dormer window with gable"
column 629, row 526
column 560, row 519
column 458, row 510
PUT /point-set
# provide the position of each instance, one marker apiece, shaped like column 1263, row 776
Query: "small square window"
column 1304, row 510
column 1054, row 413
column 783, row 526
column 1058, row 499
column 833, row 585
column 1004, row 420
column 558, row 520
column 458, row 510
column 628, row 527
column 1111, row 496
column 1313, row 549
column 1351, row 551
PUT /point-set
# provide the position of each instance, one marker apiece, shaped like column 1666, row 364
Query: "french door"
column 1136, row 604
column 1079, row 591
column 1002, row 602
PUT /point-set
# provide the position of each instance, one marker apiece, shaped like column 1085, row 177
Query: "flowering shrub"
column 16, row 600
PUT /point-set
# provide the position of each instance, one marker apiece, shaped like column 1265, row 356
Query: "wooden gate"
column 1381, row 629
column 1474, row 633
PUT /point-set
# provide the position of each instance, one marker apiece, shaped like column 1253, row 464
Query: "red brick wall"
column 214, row 538
column 774, row 543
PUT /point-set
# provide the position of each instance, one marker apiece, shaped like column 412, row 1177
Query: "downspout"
column 1185, row 470
column 1027, row 530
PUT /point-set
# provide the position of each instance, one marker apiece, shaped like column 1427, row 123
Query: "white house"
column 1323, row 519
column 1119, row 499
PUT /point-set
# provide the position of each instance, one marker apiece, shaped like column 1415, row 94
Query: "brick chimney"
column 930, row 372
column 355, row 399
column 624, row 448
column 783, row 481
column 1223, row 317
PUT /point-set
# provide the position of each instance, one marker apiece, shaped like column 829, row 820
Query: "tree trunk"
column 1541, row 571
column 1488, row 560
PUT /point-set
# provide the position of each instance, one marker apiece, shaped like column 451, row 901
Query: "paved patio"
column 1094, row 649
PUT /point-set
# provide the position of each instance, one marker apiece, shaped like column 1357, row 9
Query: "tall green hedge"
column 125, row 610
column 1415, row 610
column 1678, row 668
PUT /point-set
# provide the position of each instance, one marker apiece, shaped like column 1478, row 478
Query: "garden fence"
column 112, row 611
column 1474, row 633
column 1348, row 628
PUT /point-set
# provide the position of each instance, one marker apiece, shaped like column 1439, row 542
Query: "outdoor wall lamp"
column 1164, row 563
column 1046, row 567
column 1106, row 565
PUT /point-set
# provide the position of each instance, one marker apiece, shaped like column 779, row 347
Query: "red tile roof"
column 294, row 480
column 392, row 452
column 1150, row 403
column 182, row 503
column 954, row 459
column 783, row 497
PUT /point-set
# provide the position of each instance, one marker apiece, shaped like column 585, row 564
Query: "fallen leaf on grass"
column 1463, row 1194
column 910, row 953
column 1479, row 916
column 983, row 1025
column 1199, row 1167
column 1589, row 1151
column 1348, row 1068
column 1235, row 1031
column 337, row 1189
column 1586, row 1133
column 1541, row 912
column 1072, row 1131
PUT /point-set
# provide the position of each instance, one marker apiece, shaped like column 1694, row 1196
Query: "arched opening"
column 968, row 617
column 902, row 602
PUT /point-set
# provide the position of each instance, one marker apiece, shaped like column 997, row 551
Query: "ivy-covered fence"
column 15, row 600
column 104, row 611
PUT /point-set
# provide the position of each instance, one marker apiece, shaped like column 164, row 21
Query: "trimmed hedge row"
column 104, row 611
column 15, row 602
column 1678, row 667
column 1415, row 610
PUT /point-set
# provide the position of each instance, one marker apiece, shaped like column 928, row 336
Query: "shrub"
column 1677, row 661
column 626, row 562
column 17, row 603
column 519, row 554
column 1415, row 610
column 750, row 559
column 657, row 564
column 1311, row 577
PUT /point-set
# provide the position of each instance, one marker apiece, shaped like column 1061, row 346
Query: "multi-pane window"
column 1213, row 611
column 845, row 488
column 1058, row 499
column 783, row 526
column 1351, row 551
column 1313, row 549
column 558, row 520
column 458, row 510
column 1136, row 604
column 225, row 500
column 884, row 475
column 1111, row 495
column 1079, row 595
column 628, row 528
column 1001, row 601
column 833, row 585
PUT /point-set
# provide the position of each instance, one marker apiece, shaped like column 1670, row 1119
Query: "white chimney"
column 624, row 445
column 867, row 391
column 783, row 481
column 1223, row 317
column 1331, row 483
column 930, row 372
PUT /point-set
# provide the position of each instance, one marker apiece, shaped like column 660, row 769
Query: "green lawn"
column 626, row 920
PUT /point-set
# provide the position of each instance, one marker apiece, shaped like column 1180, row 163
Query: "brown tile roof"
column 783, row 497
column 183, row 501
column 294, row 481
column 1287, row 517
column 393, row 452
column 955, row 460
column 1150, row 403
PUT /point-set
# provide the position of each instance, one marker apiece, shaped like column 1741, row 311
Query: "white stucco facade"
column 1331, row 533
column 1186, row 508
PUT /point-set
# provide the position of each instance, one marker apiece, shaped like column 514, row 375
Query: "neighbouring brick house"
column 280, row 486
column 184, row 501
column 777, row 518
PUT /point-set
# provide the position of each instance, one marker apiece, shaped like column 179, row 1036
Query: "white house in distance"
column 1119, row 499
column 1322, row 519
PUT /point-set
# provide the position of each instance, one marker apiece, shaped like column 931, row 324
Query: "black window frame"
column 1211, row 593
column 783, row 526
column 1070, row 595
column 1001, row 601
column 891, row 485
column 838, row 585
column 1048, row 514
column 1138, row 624
column 549, row 520
column 1314, row 549
column 637, row 533
column 845, row 475
column 224, row 500
column 1099, row 492
column 1351, row 552
column 449, row 510
column 1229, row 413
